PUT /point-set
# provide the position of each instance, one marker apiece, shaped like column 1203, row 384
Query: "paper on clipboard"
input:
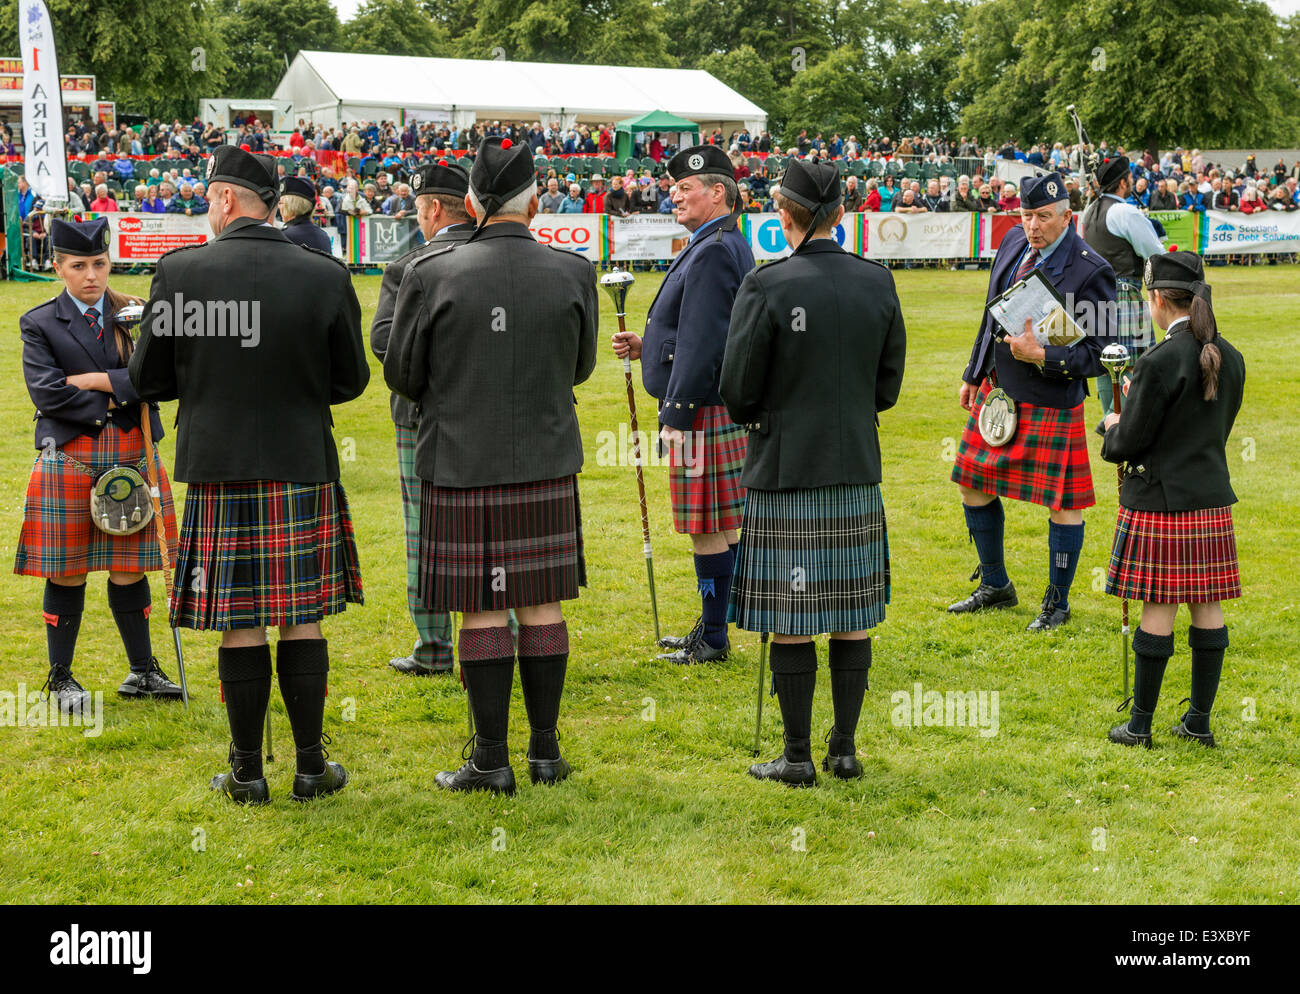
column 1036, row 299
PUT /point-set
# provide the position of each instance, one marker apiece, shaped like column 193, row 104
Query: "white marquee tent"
column 333, row 87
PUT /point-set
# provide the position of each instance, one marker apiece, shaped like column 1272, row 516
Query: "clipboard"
column 1035, row 298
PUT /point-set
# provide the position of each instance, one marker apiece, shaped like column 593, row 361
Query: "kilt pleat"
column 1174, row 557
column 497, row 547
column 811, row 561
column 704, row 475
column 264, row 552
column 1045, row 463
column 58, row 538
column 1132, row 317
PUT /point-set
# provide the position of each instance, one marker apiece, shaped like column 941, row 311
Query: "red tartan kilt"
column 704, row 475
column 1045, row 463
column 59, row 539
column 1175, row 557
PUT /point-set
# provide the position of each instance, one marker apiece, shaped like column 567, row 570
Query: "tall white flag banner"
column 43, row 152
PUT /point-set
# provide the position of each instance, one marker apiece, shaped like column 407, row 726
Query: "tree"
column 157, row 58
column 264, row 36
column 395, row 27
column 612, row 32
column 830, row 95
column 744, row 70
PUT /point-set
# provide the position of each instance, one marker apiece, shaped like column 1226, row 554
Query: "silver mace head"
column 1115, row 359
column 617, row 282
column 130, row 314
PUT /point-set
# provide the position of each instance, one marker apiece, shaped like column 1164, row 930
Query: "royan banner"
column 1225, row 233
column 767, row 240
column 43, row 152
column 920, row 236
column 645, row 236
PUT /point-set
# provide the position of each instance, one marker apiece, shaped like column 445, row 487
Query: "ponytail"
column 1205, row 330
column 1203, row 326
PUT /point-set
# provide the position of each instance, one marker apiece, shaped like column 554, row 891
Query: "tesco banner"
column 581, row 233
column 1237, row 234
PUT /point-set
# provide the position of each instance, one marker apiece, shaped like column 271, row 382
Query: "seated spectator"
column 908, row 204
column 166, row 193
column 401, row 203
column 666, row 205
column 1191, row 199
column 187, row 203
column 933, row 200
column 987, row 201
column 747, row 205
column 103, row 203
column 549, row 202
column 888, row 193
column 596, row 198
column 150, row 203
column 647, row 198
column 1281, row 199
column 1251, row 201
column 965, row 199
column 616, row 201
column 573, row 203
column 772, row 193
column 852, row 195
column 1163, row 200
column 354, row 202
column 374, row 198
column 871, row 202
column 1010, row 199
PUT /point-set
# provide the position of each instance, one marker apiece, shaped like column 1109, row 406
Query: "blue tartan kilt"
column 1132, row 317
column 811, row 561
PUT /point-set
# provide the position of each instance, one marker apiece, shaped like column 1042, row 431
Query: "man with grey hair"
column 498, row 451
column 685, row 337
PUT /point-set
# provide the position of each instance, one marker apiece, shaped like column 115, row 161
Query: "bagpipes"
column 1087, row 158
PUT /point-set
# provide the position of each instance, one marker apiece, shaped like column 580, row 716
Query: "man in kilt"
column 440, row 191
column 1125, row 238
column 1174, row 541
column 257, row 337
column 1046, row 461
column 815, row 351
column 88, row 424
column 490, row 337
column 685, row 336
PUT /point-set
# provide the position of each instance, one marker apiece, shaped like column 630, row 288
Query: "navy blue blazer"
column 686, row 326
column 1074, row 268
column 58, row 343
column 303, row 232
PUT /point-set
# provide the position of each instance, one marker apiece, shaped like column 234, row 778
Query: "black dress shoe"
column 1121, row 735
column 1183, row 732
column 152, row 682
column 309, row 785
column 470, row 777
column 845, row 765
column 987, row 598
column 73, row 698
column 548, row 770
column 697, row 652
column 1050, row 615
column 682, row 641
column 781, row 769
column 409, row 666
column 240, row 791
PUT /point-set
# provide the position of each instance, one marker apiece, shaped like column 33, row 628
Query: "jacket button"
column 100, row 422
column 678, row 406
column 757, row 426
column 690, row 405
column 670, row 357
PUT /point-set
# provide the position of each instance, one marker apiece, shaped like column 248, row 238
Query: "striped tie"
column 92, row 316
column 1026, row 266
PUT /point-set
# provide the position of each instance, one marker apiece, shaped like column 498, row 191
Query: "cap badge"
column 696, row 161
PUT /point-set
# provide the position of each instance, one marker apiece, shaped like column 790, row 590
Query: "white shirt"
column 1127, row 222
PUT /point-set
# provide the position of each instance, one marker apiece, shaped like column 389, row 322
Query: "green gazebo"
column 656, row 120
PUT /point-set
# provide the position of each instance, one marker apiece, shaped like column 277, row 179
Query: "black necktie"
column 92, row 317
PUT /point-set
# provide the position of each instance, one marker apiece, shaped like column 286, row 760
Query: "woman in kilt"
column 490, row 337
column 1174, row 541
column 815, row 351
column 87, row 422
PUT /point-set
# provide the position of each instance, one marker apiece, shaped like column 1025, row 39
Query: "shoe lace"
column 58, row 679
column 468, row 749
column 1051, row 597
column 325, row 740
column 1127, row 702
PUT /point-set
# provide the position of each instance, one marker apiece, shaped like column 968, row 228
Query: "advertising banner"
column 919, row 236
column 645, row 236
column 143, row 238
column 1237, row 234
column 767, row 240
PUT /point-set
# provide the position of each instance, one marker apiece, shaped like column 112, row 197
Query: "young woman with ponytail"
column 1174, row 540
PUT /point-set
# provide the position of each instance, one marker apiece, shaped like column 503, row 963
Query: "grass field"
column 659, row 808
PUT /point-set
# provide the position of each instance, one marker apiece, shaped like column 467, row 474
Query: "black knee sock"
column 713, row 577
column 1150, row 656
column 303, row 666
column 985, row 525
column 1207, row 646
column 850, row 662
column 62, row 611
column 487, row 663
column 1064, row 543
column 130, row 604
column 245, row 675
column 543, row 658
column 794, row 673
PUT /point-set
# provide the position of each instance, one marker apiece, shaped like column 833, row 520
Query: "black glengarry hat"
column 84, row 238
column 502, row 170
column 1176, row 271
column 229, row 164
column 698, row 160
column 1112, row 170
column 439, row 177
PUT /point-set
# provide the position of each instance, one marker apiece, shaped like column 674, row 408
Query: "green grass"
column 661, row 810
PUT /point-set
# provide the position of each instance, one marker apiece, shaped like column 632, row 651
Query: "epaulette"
column 1093, row 256
column 432, row 254
column 181, row 248
column 321, row 252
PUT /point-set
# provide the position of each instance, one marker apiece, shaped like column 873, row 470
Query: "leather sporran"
column 997, row 420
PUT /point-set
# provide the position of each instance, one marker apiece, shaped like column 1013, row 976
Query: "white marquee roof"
column 376, row 85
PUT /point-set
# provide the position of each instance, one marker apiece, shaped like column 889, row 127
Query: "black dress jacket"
column 278, row 342
column 815, row 351
column 1175, row 441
